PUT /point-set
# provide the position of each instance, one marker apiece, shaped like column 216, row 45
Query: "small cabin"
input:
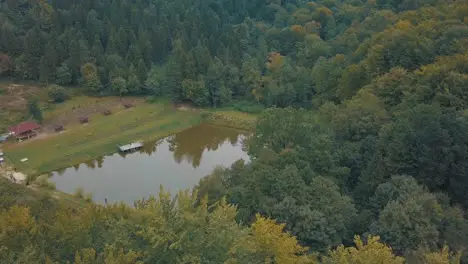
column 25, row 130
column 84, row 120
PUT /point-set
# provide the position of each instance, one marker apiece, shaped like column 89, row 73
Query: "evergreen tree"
column 34, row 45
column 47, row 67
column 63, row 74
column 217, row 90
column 35, row 110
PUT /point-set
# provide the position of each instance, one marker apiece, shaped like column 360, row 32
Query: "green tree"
column 57, row 93
column 63, row 75
column 294, row 128
column 119, row 86
column 34, row 110
column 217, row 90
column 133, row 83
column 427, row 144
column 47, row 66
column 360, row 117
column 34, row 45
column 91, row 79
column 195, row 91
column 155, row 82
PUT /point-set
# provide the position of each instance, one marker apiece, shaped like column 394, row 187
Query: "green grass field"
column 80, row 143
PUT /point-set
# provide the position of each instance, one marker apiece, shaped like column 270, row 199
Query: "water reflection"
column 190, row 144
column 176, row 162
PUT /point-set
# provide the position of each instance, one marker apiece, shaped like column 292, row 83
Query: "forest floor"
column 81, row 142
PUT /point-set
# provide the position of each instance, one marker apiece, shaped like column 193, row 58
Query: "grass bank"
column 80, row 143
column 232, row 119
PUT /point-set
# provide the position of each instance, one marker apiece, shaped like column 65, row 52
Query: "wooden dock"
column 130, row 147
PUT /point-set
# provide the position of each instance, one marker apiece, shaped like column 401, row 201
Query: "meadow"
column 83, row 142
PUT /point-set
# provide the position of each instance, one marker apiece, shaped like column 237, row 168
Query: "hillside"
column 37, row 228
column 213, row 52
column 365, row 131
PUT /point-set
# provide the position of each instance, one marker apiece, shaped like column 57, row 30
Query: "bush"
column 88, row 197
column 206, row 115
column 43, row 182
column 249, row 107
column 79, row 193
column 58, row 94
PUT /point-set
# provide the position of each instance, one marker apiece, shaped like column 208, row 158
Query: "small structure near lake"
column 84, row 120
column 25, row 130
column 59, row 128
column 130, row 147
column 127, row 105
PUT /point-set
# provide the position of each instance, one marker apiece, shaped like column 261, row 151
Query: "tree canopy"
column 365, row 131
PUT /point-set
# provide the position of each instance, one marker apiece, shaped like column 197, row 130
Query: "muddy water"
column 177, row 162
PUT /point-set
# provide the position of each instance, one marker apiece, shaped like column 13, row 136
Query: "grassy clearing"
column 80, row 143
column 230, row 118
column 13, row 101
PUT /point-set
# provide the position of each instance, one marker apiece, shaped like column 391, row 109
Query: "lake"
column 177, row 162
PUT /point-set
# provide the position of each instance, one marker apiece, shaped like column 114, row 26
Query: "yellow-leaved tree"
column 372, row 252
column 444, row 256
column 267, row 242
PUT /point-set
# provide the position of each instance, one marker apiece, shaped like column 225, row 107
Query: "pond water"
column 177, row 162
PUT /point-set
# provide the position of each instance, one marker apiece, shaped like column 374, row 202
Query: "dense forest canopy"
column 278, row 53
column 372, row 99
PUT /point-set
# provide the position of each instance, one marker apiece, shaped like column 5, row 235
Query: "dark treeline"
column 283, row 53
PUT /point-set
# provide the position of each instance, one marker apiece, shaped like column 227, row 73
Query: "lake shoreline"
column 144, row 122
column 176, row 162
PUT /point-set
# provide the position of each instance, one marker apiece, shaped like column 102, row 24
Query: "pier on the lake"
column 130, row 147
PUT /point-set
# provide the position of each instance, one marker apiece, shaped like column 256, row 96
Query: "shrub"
column 43, row 182
column 79, row 193
column 88, row 197
column 249, row 107
column 58, row 94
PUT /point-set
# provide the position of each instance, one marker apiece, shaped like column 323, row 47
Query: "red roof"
column 24, row 127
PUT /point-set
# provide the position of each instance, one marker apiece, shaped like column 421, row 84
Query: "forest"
column 361, row 155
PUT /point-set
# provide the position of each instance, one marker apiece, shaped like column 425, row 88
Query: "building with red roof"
column 25, row 130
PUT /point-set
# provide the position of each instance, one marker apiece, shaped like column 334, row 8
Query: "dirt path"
column 12, row 175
